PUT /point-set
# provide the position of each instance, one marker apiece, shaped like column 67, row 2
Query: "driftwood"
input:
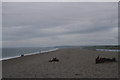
column 22, row 55
column 54, row 60
column 102, row 60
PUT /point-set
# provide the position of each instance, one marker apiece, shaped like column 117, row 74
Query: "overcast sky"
column 55, row 24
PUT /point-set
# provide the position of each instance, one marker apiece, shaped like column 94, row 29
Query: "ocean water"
column 8, row 53
column 112, row 50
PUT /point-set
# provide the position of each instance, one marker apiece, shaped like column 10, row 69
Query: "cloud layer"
column 53, row 24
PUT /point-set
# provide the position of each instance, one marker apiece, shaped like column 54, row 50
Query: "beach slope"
column 73, row 63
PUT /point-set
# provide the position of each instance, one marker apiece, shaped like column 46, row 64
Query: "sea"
column 8, row 53
column 111, row 50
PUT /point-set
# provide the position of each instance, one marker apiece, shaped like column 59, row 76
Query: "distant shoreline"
column 113, row 50
column 88, row 48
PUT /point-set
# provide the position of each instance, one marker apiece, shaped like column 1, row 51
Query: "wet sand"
column 74, row 63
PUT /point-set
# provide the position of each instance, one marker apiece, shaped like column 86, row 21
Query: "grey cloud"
column 40, row 21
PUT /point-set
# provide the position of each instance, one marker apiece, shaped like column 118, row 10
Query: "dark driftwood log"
column 102, row 60
column 54, row 60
